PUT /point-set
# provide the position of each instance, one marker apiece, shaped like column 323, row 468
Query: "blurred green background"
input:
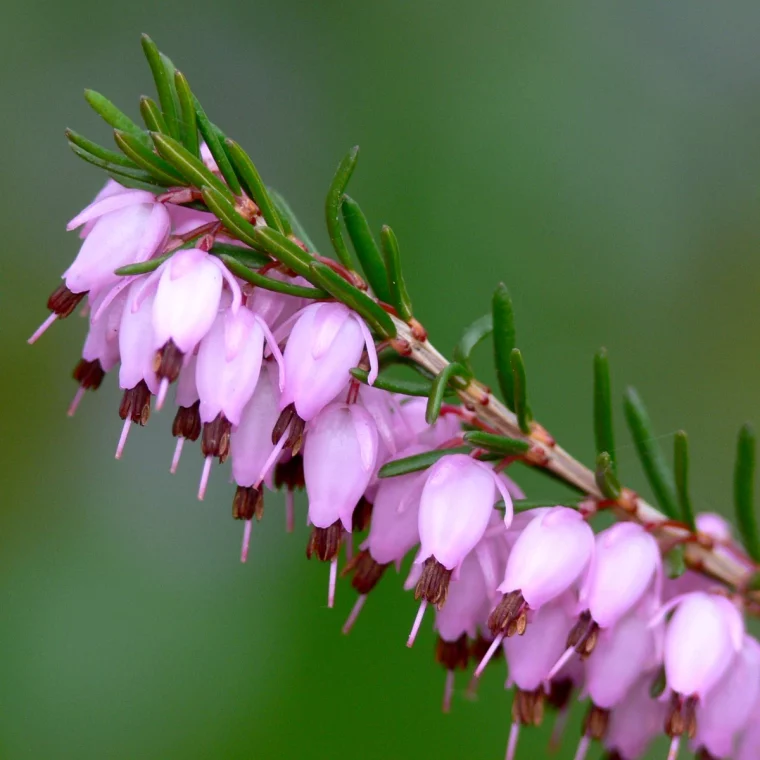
column 602, row 158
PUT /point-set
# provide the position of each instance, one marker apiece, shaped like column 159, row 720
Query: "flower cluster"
column 264, row 378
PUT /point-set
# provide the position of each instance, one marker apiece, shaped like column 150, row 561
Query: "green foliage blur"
column 601, row 158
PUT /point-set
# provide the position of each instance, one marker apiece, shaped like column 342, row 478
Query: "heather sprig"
column 195, row 273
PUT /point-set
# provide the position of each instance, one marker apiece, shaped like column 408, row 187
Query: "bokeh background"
column 602, row 158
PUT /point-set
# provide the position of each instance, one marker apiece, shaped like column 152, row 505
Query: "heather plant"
column 311, row 372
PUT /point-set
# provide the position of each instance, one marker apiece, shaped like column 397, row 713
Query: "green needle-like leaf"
column 332, row 206
column 355, row 299
column 188, row 165
column 164, row 79
column 479, row 330
column 289, row 219
column 605, row 477
column 152, row 116
column 520, row 388
column 419, row 388
column 113, row 116
column 251, row 181
column 370, row 258
column 399, row 295
column 262, row 281
column 603, row 427
column 438, row 391
column 145, row 158
column 417, row 462
column 125, row 175
column 284, row 250
column 188, row 125
column 499, row 444
column 143, row 267
column 681, row 468
column 656, row 469
column 744, row 492
column 98, row 151
column 246, row 256
column 504, row 342
column 236, row 225
column 214, row 139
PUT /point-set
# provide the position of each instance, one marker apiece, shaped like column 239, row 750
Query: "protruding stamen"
column 351, row 619
column 75, row 401
column 246, row 541
column 558, row 729
column 495, row 644
column 204, row 477
column 290, row 510
column 177, row 455
column 563, row 660
column 123, row 437
column 514, row 733
column 675, row 744
column 448, row 691
column 417, row 623
column 37, row 334
column 163, row 389
column 348, row 540
column 583, row 745
column 333, row 581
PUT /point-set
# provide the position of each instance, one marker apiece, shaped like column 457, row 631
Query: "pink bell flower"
column 749, row 742
column 623, row 653
column 326, row 341
column 130, row 228
column 251, row 437
column 229, row 363
column 338, row 460
column 187, row 298
column 127, row 228
column 394, row 528
column 455, row 510
column 251, row 444
column 636, row 721
column 626, row 564
column 467, row 599
column 549, row 556
column 701, row 639
column 731, row 704
column 531, row 656
column 136, row 374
